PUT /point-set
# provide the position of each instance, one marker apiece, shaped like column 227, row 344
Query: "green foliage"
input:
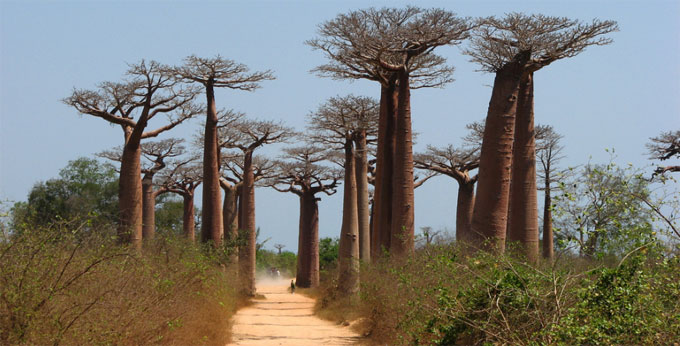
column 85, row 189
column 328, row 253
column 442, row 297
column 600, row 211
column 634, row 303
column 60, row 286
column 286, row 262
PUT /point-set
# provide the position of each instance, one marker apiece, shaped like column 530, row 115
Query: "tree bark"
column 188, row 216
column 402, row 234
column 382, row 198
column 148, row 209
column 489, row 219
column 548, row 246
column 348, row 259
column 230, row 218
column 211, row 222
column 308, row 250
column 464, row 207
column 363, row 211
column 130, row 195
column 247, row 251
column 523, row 226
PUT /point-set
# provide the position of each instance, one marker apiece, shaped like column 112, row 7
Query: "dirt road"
column 283, row 318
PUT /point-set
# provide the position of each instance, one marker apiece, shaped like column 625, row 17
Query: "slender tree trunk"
column 247, row 252
column 524, row 211
column 130, row 196
column 363, row 211
column 188, row 216
column 382, row 198
column 402, row 234
column 230, row 219
column 548, row 246
column 148, row 208
column 489, row 219
column 211, row 222
column 308, row 251
column 464, row 207
column 348, row 259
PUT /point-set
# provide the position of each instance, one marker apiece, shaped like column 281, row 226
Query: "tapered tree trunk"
column 230, row 219
column 524, row 211
column 148, row 208
column 188, row 216
column 130, row 196
column 363, row 211
column 348, row 252
column 308, row 250
column 489, row 219
column 548, row 246
column 247, row 252
column 402, row 235
column 382, row 197
column 211, row 221
column 464, row 207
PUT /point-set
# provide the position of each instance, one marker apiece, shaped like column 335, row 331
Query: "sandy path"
column 285, row 319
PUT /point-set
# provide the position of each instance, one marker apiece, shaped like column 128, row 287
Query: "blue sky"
column 615, row 96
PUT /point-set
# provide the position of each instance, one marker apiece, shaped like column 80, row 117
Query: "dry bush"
column 441, row 296
column 66, row 286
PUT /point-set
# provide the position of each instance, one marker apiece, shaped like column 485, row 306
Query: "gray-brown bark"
column 363, row 212
column 523, row 224
column 402, row 233
column 348, row 249
column 247, row 250
column 489, row 219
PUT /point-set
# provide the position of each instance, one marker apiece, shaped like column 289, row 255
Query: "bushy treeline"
column 61, row 285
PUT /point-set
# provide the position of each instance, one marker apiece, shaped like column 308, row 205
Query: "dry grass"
column 61, row 286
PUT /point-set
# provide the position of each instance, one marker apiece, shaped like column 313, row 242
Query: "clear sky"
column 615, row 96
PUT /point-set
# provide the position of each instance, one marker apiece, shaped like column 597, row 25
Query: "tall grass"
column 71, row 285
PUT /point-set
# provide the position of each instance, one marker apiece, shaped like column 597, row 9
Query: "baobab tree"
column 231, row 181
column 514, row 48
column 214, row 73
column 182, row 178
column 147, row 91
column 247, row 136
column 342, row 122
column 370, row 44
column 549, row 153
column 303, row 175
column 279, row 247
column 157, row 154
column 664, row 147
column 456, row 163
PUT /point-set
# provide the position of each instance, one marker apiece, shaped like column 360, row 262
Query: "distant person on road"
column 292, row 286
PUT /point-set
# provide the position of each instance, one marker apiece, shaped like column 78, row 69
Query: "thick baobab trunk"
column 230, row 212
column 348, row 252
column 464, row 207
column 489, row 219
column 523, row 225
column 247, row 251
column 230, row 219
column 382, row 198
column 402, row 234
column 548, row 246
column 308, row 246
column 148, row 209
column 130, row 195
column 211, row 221
column 188, row 216
column 363, row 211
